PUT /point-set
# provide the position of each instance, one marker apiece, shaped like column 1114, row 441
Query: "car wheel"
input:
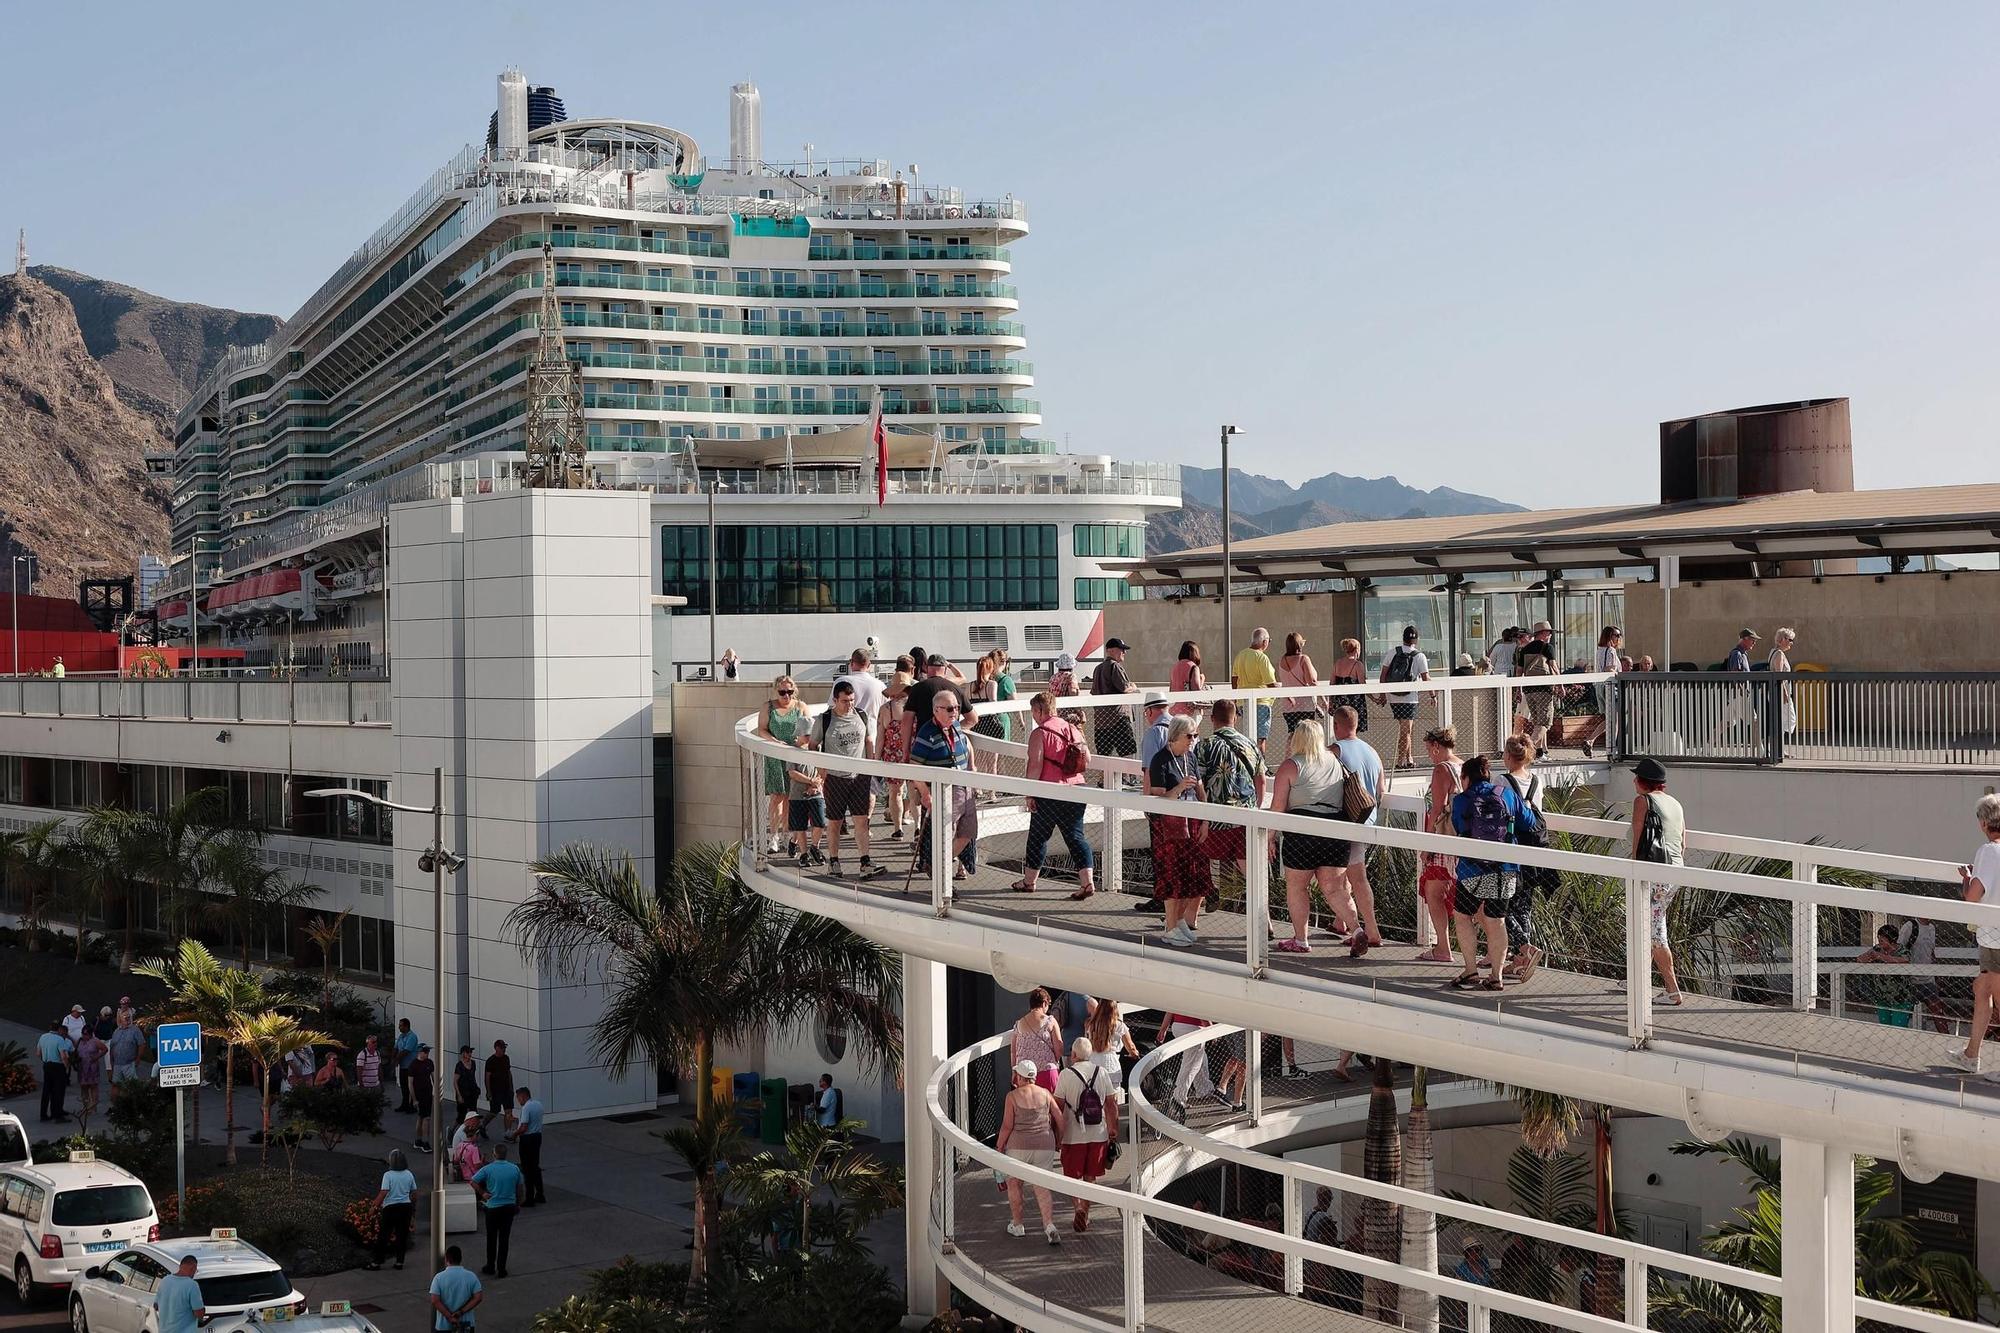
column 24, row 1283
column 79, row 1322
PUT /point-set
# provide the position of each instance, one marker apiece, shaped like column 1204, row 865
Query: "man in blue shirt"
column 454, row 1293
column 498, row 1185
column 528, row 1131
column 1155, row 736
column 55, row 1050
column 406, row 1055
column 178, row 1300
column 829, row 1102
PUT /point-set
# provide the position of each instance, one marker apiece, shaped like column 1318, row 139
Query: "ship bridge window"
column 1117, row 541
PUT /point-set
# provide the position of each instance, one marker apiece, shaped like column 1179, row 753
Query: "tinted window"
column 244, row 1288
column 13, row 1143
column 102, row 1205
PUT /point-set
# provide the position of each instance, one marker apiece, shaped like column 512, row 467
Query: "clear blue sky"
column 1484, row 245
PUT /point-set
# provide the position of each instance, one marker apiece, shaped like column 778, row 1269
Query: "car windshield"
column 101, row 1205
column 269, row 1284
column 13, row 1143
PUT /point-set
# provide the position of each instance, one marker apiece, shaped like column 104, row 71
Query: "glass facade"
column 1093, row 593
column 800, row 569
column 1117, row 541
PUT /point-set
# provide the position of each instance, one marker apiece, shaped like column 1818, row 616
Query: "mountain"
column 1195, row 524
column 1304, row 514
column 154, row 349
column 74, row 491
column 1362, row 497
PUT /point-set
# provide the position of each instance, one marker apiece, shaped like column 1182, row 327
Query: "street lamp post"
column 1228, row 629
column 437, row 859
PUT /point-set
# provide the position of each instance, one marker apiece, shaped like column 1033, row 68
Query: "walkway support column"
column 923, row 1051
column 1817, row 1261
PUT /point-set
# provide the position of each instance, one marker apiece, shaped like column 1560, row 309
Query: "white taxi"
column 237, row 1281
column 330, row 1317
column 14, row 1149
column 59, row 1218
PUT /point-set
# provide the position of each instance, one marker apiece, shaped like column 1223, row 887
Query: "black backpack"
column 1089, row 1104
column 1401, row 665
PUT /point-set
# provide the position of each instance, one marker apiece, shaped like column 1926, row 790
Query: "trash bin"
column 799, row 1100
column 744, row 1088
column 718, row 1083
column 775, row 1102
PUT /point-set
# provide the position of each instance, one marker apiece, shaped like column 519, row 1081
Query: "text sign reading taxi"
column 178, row 1044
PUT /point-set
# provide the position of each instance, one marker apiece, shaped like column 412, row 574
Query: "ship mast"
column 555, row 443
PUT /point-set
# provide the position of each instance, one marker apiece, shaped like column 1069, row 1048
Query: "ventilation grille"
column 985, row 638
column 1043, row 640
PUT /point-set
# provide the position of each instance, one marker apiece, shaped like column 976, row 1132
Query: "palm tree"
column 1381, row 1159
column 701, row 961
column 1549, row 1121
column 98, row 863
column 1420, row 1236
column 324, row 932
column 1888, row 1266
column 250, row 891
column 40, row 853
column 820, row 1157
column 169, row 849
column 1552, row 1187
column 201, row 989
column 712, row 1137
column 270, row 1037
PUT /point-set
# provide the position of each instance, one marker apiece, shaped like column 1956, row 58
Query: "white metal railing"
column 1780, row 913
column 991, row 1265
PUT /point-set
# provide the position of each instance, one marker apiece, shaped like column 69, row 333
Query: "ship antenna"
column 555, row 440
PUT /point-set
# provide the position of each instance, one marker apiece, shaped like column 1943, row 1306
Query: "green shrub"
column 580, row 1314
column 16, row 1080
column 339, row 1111
column 795, row 1293
column 630, row 1279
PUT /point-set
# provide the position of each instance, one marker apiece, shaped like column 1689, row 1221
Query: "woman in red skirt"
column 1180, row 863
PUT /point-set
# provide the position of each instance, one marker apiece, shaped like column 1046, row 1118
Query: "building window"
column 780, row 569
column 1093, row 593
column 1116, row 541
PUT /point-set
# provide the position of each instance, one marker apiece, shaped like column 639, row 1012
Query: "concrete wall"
column 1156, row 627
column 708, row 768
column 1851, row 622
column 1907, row 813
column 523, row 647
column 366, row 751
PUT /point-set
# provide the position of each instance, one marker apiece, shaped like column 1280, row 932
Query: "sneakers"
column 1290, row 945
column 869, row 870
column 1050, row 1233
column 1016, row 1229
column 833, row 867
column 897, row 836
column 1293, row 1071
column 1179, row 937
column 1969, row 1063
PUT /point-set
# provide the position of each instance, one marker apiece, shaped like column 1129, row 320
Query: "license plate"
column 102, row 1246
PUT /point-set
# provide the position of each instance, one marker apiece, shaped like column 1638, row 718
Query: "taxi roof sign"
column 82, row 1154
column 336, row 1307
column 222, row 1233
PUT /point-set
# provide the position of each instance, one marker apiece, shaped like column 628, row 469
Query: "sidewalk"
column 611, row 1193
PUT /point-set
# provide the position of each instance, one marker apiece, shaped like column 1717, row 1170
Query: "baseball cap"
column 76, row 1008
column 1747, row 633
column 423, row 1046
column 1155, row 699
column 1409, row 634
column 934, row 660
column 1026, row 1068
column 1119, row 644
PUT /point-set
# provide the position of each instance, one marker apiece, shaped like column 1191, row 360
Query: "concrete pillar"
column 923, row 1051
column 1817, row 1260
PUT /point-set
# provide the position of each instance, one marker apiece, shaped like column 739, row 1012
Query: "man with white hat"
column 74, row 1023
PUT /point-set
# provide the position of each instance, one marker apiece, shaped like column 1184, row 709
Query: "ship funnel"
column 746, row 128
column 511, row 132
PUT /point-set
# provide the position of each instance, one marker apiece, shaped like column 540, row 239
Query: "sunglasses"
column 786, row 694
column 950, row 708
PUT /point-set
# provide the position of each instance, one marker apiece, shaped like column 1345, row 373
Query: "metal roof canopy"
column 1799, row 525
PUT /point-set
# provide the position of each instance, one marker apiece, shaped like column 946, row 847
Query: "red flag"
column 880, row 435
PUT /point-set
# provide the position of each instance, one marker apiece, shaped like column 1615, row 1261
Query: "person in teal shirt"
column 178, row 1300
column 55, row 1050
column 454, row 1293
column 498, row 1184
column 406, row 1055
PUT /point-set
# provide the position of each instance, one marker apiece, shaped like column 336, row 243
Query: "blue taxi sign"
column 178, row 1044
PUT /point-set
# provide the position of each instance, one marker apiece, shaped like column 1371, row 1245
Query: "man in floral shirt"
column 1232, row 773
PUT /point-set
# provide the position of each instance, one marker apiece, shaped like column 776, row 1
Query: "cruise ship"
column 737, row 330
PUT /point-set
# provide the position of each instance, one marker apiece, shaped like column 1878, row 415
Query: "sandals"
column 1021, row 886
column 1081, row 894
column 1357, row 946
column 1492, row 983
column 1435, row 957
column 1465, row 981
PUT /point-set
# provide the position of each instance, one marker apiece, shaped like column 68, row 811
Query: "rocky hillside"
column 154, row 349
column 73, row 485
column 1368, row 497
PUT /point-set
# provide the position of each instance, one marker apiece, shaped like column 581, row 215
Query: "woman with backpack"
column 1436, row 879
column 1057, row 754
column 1310, row 783
column 1089, row 1100
column 1530, row 831
column 1491, row 814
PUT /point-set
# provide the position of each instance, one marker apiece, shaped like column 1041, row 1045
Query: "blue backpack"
column 1487, row 816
